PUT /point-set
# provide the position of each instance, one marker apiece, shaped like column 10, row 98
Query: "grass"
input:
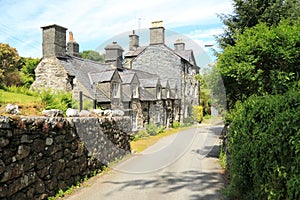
column 141, row 144
column 10, row 97
column 28, row 105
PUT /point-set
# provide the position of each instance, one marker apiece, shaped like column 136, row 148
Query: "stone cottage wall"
column 50, row 74
column 39, row 156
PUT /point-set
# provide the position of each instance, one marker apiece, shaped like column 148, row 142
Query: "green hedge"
column 265, row 148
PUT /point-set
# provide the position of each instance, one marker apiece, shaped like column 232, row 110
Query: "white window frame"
column 116, row 90
column 158, row 92
column 135, row 91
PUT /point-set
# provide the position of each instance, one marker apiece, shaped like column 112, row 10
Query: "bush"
column 265, row 150
column 175, row 124
column 152, row 129
column 198, row 113
column 59, row 100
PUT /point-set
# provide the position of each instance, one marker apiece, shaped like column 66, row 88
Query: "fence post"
column 80, row 100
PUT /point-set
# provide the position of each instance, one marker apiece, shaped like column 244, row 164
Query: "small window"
column 168, row 93
column 135, row 91
column 116, row 90
column 158, row 93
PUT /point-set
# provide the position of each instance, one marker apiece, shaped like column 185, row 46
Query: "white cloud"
column 94, row 20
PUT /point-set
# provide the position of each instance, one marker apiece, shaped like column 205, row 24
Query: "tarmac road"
column 181, row 166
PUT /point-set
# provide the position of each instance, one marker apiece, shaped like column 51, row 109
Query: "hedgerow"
column 265, row 147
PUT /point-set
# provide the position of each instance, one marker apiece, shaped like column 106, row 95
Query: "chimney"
column 54, row 41
column 179, row 45
column 72, row 46
column 114, row 54
column 133, row 41
column 157, row 33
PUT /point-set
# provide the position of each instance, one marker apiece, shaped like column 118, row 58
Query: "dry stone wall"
column 40, row 155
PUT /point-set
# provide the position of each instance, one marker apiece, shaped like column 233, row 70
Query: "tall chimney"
column 72, row 46
column 133, row 41
column 157, row 33
column 114, row 54
column 179, row 45
column 54, row 41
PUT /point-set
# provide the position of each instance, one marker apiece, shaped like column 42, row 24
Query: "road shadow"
column 201, row 185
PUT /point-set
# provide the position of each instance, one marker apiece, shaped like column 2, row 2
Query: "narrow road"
column 181, row 166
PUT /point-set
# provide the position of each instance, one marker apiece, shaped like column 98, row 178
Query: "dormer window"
column 168, row 93
column 116, row 90
column 135, row 91
column 158, row 92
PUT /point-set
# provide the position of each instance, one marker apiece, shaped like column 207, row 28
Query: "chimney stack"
column 179, row 45
column 133, row 41
column 114, row 54
column 72, row 46
column 54, row 41
column 157, row 33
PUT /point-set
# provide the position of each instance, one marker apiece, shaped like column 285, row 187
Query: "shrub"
column 265, row 150
column 198, row 113
column 152, row 129
column 59, row 100
column 175, row 124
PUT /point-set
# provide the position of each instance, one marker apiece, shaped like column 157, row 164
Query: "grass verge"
column 141, row 144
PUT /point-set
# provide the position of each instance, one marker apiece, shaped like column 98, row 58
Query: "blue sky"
column 96, row 22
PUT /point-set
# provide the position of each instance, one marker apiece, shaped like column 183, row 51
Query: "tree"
column 264, row 60
column 93, row 55
column 27, row 70
column 9, row 63
column 248, row 13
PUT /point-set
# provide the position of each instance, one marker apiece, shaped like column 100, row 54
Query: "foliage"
column 27, row 70
column 152, row 129
column 140, row 134
column 198, row 113
column 9, row 62
column 59, row 100
column 93, row 55
column 21, row 90
column 264, row 60
column 175, row 124
column 248, row 14
column 264, row 147
column 205, row 101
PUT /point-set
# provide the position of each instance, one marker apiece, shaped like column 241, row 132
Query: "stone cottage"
column 155, row 84
column 176, row 65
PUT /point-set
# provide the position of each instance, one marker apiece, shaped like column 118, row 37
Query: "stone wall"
column 39, row 155
column 50, row 74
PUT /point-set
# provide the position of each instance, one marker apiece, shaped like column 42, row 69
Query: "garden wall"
column 40, row 155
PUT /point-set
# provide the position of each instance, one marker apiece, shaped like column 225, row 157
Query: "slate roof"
column 127, row 77
column 149, row 83
column 82, row 70
column 187, row 55
column 136, row 52
column 146, row 96
column 102, row 76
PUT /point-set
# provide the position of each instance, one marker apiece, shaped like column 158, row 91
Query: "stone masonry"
column 40, row 155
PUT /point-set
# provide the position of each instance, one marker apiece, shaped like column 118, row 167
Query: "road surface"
column 180, row 166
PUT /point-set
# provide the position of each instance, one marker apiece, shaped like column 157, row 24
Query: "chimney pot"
column 71, row 39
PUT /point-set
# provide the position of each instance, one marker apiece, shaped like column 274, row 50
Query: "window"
column 168, row 93
column 158, row 93
column 135, row 91
column 116, row 90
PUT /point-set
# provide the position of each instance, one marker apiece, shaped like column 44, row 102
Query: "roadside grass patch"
column 142, row 143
